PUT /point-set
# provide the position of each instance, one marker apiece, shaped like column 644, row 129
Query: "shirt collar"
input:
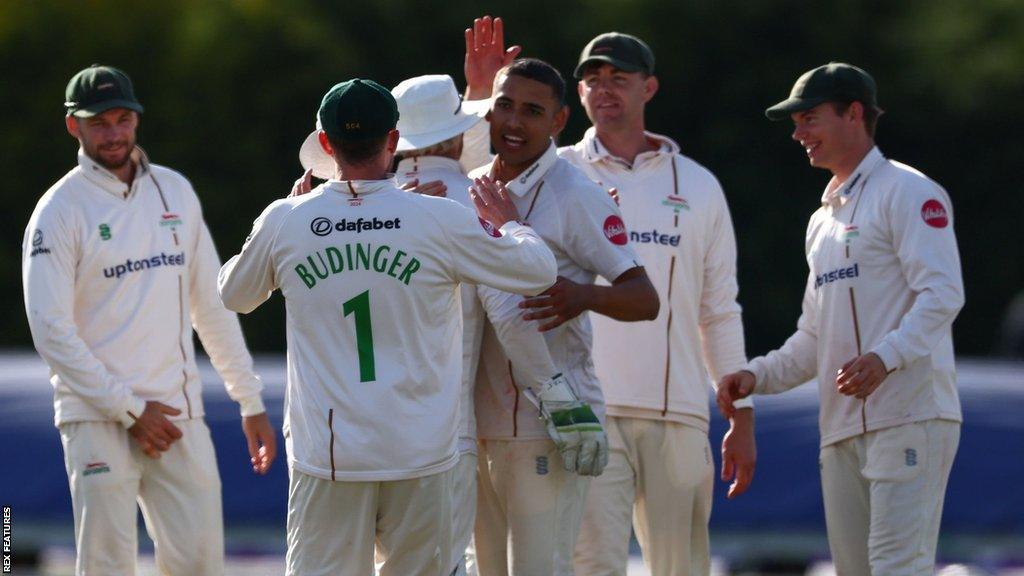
column 359, row 188
column 840, row 194
column 105, row 179
column 594, row 150
column 409, row 166
column 534, row 174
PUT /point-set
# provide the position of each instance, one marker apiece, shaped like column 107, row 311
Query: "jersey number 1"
column 360, row 307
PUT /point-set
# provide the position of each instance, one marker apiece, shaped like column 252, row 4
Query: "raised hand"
column 485, row 55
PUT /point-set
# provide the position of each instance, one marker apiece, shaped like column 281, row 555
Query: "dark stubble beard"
column 95, row 155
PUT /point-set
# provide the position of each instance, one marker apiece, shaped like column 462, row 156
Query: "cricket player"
column 118, row 268
column 529, row 507
column 370, row 273
column 883, row 290
column 654, row 376
column 429, row 149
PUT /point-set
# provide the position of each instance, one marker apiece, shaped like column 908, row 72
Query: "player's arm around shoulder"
column 597, row 240
column 247, row 279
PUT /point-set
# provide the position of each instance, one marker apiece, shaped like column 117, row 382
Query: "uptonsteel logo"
column 158, row 261
column 323, row 226
column 845, row 273
column 654, row 237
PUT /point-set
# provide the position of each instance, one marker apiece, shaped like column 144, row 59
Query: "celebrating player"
column 369, row 273
column 883, row 290
column 118, row 268
column 530, row 509
column 429, row 150
column 655, row 376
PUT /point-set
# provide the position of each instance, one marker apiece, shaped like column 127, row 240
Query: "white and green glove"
column 572, row 425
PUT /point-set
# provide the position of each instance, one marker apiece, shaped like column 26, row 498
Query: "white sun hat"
column 431, row 110
column 312, row 156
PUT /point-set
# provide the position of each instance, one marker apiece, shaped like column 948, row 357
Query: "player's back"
column 369, row 274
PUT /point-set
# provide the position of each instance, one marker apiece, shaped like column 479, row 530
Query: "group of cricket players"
column 499, row 349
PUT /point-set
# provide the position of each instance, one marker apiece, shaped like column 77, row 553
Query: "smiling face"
column 614, row 98
column 524, row 116
column 108, row 137
column 831, row 140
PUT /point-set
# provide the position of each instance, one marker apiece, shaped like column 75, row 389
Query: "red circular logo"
column 934, row 214
column 615, row 230
column 489, row 228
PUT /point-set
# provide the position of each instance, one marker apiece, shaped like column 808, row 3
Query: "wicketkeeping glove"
column 572, row 425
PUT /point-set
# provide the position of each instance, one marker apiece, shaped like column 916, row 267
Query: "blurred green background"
column 231, row 88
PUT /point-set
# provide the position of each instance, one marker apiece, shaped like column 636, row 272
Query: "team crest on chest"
column 677, row 203
column 849, row 233
column 170, row 219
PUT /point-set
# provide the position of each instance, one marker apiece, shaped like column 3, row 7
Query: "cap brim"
column 624, row 66
column 783, row 109
column 424, row 139
column 312, row 156
column 101, row 107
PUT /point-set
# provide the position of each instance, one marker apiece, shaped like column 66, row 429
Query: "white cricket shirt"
column 680, row 227
column 428, row 169
column 884, row 278
column 370, row 277
column 584, row 229
column 116, row 276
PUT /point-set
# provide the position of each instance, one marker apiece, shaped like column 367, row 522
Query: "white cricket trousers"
column 883, row 497
column 334, row 527
column 179, row 494
column 464, row 515
column 659, row 480
column 528, row 509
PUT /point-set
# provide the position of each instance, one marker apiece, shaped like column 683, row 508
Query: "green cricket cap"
column 624, row 51
column 98, row 89
column 358, row 110
column 833, row 82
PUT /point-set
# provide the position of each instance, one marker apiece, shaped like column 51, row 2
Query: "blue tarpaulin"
column 983, row 496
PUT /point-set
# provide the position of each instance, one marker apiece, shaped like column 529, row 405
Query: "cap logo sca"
column 934, row 214
column 615, row 230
